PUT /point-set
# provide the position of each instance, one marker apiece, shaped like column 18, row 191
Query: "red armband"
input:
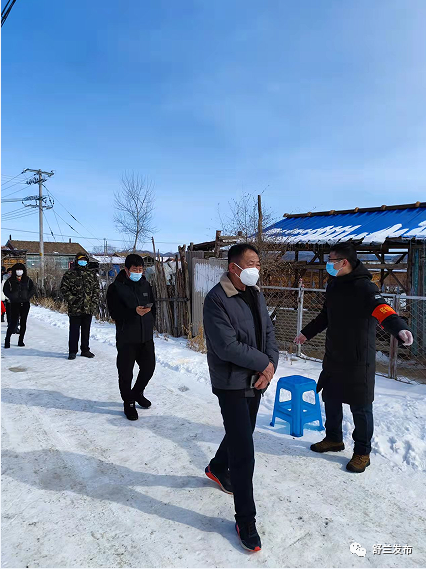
column 382, row 311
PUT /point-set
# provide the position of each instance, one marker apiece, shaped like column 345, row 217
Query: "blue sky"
column 319, row 102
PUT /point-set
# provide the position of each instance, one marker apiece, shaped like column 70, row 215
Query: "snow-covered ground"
column 84, row 487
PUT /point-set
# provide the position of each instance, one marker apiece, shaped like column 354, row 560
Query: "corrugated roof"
column 373, row 226
column 33, row 247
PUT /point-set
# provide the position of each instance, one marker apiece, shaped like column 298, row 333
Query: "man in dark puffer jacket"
column 353, row 306
column 80, row 289
column 131, row 304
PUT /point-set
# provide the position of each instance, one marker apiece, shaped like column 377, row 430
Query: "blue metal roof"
column 369, row 226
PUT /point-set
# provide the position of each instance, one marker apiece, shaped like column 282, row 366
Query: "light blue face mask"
column 331, row 270
column 135, row 277
column 82, row 263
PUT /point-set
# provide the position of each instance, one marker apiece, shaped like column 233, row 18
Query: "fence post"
column 300, row 296
column 393, row 347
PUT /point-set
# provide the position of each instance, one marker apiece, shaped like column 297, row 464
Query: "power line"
column 18, row 215
column 6, row 11
column 10, row 178
column 45, row 217
column 54, row 212
column 69, row 213
column 82, row 236
column 20, row 182
column 11, row 200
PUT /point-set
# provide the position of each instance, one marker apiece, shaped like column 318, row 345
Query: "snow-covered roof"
column 108, row 260
column 369, row 226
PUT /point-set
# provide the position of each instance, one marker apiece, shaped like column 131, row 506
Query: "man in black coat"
column 242, row 355
column 131, row 304
column 353, row 306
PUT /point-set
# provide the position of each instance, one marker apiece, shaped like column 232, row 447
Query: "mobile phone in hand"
column 149, row 305
column 253, row 380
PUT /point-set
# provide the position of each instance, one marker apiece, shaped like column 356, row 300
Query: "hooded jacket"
column 232, row 352
column 353, row 306
column 123, row 297
column 80, row 290
column 19, row 290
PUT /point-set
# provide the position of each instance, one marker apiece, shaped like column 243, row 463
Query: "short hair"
column 237, row 251
column 133, row 260
column 346, row 251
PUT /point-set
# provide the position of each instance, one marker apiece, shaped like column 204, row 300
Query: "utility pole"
column 40, row 181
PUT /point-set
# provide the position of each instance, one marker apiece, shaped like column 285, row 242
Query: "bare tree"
column 245, row 215
column 242, row 215
column 134, row 205
column 100, row 250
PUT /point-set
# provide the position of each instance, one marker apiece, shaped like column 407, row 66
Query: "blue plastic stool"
column 296, row 411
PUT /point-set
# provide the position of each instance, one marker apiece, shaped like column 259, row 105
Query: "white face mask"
column 19, row 273
column 249, row 277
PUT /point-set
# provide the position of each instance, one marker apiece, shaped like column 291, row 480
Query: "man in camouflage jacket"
column 80, row 289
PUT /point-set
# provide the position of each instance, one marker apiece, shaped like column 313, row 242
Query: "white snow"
column 84, row 487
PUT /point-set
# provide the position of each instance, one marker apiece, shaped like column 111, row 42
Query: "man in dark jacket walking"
column 131, row 304
column 242, row 356
column 353, row 306
column 80, row 289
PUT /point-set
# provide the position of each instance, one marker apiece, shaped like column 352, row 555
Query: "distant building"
column 58, row 254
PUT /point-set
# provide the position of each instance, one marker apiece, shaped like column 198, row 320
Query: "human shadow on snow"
column 58, row 471
column 26, row 352
column 50, row 399
column 181, row 431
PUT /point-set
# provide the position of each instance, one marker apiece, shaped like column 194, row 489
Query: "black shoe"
column 143, row 401
column 7, row 343
column 87, row 354
column 248, row 535
column 130, row 411
column 21, row 343
column 224, row 480
column 72, row 356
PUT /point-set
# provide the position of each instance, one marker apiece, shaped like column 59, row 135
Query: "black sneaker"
column 21, row 343
column 130, row 411
column 143, row 401
column 72, row 356
column 248, row 535
column 87, row 354
column 224, row 480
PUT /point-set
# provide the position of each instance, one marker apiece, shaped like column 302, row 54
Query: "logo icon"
column 356, row 549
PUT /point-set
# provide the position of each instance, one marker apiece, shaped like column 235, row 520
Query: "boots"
column 130, row 410
column 87, row 354
column 327, row 446
column 358, row 463
column 7, row 342
column 143, row 401
column 21, row 342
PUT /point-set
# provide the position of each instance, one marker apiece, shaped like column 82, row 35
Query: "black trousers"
column 18, row 311
column 76, row 322
column 363, row 420
column 236, row 451
column 127, row 355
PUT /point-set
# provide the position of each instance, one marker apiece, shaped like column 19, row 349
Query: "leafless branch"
column 134, row 208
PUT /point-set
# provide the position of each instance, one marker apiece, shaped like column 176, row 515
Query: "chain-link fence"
column 292, row 308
